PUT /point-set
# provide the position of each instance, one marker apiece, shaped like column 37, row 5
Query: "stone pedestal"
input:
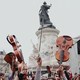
column 47, row 44
column 46, row 48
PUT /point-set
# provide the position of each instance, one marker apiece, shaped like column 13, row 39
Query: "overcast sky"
column 20, row 17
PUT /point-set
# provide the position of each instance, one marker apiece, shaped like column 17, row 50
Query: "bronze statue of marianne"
column 43, row 15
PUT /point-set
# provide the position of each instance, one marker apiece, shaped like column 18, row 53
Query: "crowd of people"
column 61, row 73
column 20, row 69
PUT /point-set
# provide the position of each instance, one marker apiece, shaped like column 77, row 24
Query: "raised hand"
column 39, row 61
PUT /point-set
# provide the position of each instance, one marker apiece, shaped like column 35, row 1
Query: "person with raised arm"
column 38, row 71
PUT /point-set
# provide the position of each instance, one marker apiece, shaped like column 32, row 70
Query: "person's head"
column 65, row 69
column 75, row 74
column 33, row 74
column 2, row 76
column 47, row 67
column 61, row 67
column 57, row 76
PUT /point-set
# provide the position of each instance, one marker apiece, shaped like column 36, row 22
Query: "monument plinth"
column 46, row 42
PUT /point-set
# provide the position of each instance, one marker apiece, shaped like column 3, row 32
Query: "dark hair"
column 64, row 68
column 47, row 67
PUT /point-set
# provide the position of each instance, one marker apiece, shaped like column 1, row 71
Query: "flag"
column 78, row 46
